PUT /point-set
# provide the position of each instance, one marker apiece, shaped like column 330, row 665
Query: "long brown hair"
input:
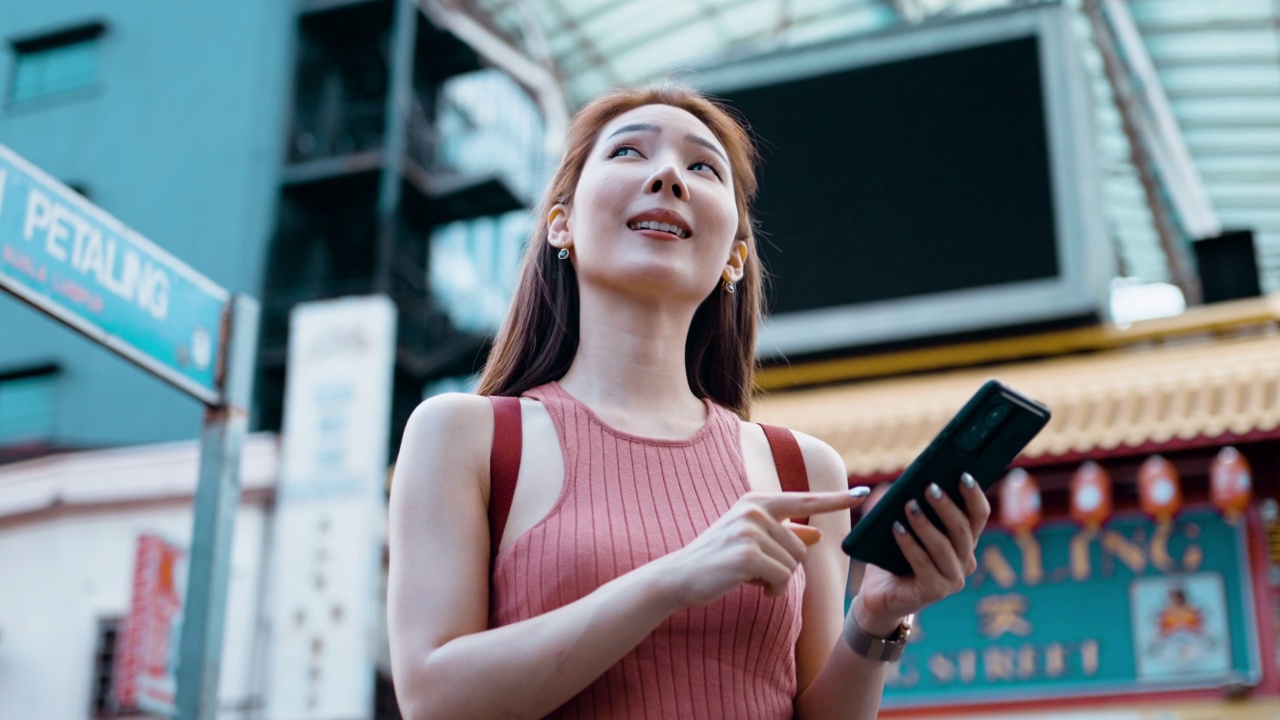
column 539, row 338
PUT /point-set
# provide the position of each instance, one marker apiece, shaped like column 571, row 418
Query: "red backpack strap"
column 504, row 465
column 789, row 461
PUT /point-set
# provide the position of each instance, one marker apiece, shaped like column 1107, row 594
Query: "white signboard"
column 330, row 510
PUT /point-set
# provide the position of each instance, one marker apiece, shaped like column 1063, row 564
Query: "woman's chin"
column 648, row 276
column 664, row 283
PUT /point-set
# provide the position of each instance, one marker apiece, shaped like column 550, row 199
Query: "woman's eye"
column 705, row 166
column 624, row 150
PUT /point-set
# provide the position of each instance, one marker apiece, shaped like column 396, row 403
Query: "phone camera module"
column 995, row 414
column 972, row 437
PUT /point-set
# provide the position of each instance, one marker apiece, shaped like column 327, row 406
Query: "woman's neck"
column 630, row 366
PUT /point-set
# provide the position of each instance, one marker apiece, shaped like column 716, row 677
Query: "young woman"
column 650, row 565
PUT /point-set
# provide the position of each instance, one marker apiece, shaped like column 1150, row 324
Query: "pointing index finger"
column 786, row 505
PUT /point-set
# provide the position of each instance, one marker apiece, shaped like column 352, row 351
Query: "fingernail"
column 913, row 507
column 968, row 480
column 897, row 527
column 935, row 492
column 860, row 492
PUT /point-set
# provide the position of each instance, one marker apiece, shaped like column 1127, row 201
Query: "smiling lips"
column 662, row 221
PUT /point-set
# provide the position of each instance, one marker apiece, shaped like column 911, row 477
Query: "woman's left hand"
column 940, row 562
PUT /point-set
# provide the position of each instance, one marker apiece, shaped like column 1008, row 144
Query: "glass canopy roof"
column 1217, row 62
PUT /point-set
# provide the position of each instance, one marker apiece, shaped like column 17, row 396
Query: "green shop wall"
column 1137, row 606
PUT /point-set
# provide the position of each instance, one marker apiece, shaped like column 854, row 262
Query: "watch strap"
column 876, row 648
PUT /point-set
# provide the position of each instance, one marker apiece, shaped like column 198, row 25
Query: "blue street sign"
column 69, row 258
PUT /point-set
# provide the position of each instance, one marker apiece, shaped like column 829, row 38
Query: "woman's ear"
column 558, row 233
column 734, row 268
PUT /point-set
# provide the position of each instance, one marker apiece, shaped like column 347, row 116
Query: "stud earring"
column 729, row 287
column 563, row 254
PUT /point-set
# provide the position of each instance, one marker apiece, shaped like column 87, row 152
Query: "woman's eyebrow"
column 636, row 127
column 651, row 128
column 706, row 144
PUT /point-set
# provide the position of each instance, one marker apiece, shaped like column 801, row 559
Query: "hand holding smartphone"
column 982, row 439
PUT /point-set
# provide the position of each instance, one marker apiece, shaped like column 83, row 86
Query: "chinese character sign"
column 1139, row 605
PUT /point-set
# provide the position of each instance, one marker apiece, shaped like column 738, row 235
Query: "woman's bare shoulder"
column 451, row 409
column 825, row 467
column 450, row 431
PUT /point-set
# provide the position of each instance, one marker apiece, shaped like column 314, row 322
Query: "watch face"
column 908, row 627
column 893, row 652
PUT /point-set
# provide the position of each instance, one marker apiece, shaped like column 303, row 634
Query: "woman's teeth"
column 655, row 225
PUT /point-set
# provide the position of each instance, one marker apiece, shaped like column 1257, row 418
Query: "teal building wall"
column 180, row 137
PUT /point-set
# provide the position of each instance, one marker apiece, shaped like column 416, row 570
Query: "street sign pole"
column 71, row 260
column 217, row 497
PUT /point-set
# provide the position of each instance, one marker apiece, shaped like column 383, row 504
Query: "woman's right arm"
column 447, row 664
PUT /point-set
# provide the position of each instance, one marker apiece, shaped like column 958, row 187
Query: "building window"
column 474, row 266
column 26, row 405
column 104, row 665
column 55, row 63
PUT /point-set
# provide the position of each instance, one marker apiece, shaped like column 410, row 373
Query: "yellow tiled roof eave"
column 1100, row 402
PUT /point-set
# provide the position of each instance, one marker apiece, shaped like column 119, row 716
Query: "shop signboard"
column 147, row 661
column 331, row 509
column 69, row 258
column 1136, row 605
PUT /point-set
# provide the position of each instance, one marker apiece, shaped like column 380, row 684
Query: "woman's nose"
column 667, row 179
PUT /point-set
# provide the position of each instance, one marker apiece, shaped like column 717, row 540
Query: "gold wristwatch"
column 869, row 646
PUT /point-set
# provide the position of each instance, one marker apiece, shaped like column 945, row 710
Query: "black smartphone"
column 982, row 439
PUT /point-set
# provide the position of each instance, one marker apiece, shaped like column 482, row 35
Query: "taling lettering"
column 70, row 238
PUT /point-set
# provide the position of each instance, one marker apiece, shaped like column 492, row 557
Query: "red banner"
column 147, row 661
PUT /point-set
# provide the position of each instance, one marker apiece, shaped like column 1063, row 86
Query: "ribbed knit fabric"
column 628, row 500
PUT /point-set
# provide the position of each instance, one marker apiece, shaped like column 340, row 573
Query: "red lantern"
column 1019, row 501
column 1091, row 495
column 1230, row 483
column 1159, row 489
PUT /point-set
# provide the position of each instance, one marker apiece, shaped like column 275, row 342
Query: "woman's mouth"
column 668, row 228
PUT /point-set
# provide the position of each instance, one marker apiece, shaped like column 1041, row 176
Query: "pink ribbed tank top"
column 627, row 500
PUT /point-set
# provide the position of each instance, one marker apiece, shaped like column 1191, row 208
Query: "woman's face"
column 654, row 210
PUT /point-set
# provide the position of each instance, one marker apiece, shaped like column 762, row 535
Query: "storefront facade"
column 1140, row 585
